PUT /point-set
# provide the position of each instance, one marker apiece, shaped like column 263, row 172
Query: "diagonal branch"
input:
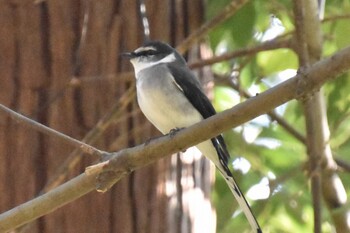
column 111, row 117
column 279, row 119
column 266, row 46
column 272, row 114
column 125, row 161
column 94, row 134
column 50, row 132
column 194, row 37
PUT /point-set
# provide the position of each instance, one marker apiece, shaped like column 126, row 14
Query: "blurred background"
column 60, row 65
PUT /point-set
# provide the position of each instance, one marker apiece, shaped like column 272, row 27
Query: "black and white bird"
column 171, row 97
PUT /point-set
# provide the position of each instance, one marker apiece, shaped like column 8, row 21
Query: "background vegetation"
column 59, row 65
column 275, row 157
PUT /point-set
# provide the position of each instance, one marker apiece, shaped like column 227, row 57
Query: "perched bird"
column 171, row 97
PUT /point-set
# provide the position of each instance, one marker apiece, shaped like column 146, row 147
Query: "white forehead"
column 147, row 48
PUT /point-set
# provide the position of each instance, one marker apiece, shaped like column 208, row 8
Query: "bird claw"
column 173, row 132
column 148, row 141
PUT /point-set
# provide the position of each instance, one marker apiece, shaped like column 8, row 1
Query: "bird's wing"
column 190, row 86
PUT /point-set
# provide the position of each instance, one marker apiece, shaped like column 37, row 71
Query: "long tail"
column 240, row 199
column 220, row 147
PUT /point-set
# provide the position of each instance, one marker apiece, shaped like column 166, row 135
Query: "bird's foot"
column 173, row 132
column 148, row 141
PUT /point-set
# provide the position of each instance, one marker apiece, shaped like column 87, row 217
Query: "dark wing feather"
column 192, row 90
column 190, row 86
column 194, row 93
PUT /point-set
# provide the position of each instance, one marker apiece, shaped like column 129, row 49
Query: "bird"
column 171, row 97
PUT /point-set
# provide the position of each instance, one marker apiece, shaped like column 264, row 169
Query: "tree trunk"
column 59, row 65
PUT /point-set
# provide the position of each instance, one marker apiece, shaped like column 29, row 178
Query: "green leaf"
column 271, row 62
column 225, row 98
column 275, row 152
column 238, row 28
column 341, row 33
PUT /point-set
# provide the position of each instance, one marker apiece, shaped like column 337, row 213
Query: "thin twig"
column 268, row 45
column 61, row 173
column 241, row 113
column 194, row 37
column 343, row 164
column 197, row 35
column 93, row 135
column 133, row 158
column 335, row 18
column 49, row 131
column 274, row 116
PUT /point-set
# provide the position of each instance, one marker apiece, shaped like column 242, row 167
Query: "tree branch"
column 125, row 161
column 322, row 166
column 279, row 119
column 268, row 45
column 335, row 18
column 102, row 125
column 343, row 164
column 50, row 132
column 275, row 117
column 194, row 37
column 302, row 50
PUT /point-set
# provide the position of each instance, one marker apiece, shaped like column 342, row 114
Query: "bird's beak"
column 128, row 55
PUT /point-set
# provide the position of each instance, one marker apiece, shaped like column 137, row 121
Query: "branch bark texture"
column 125, row 161
column 325, row 182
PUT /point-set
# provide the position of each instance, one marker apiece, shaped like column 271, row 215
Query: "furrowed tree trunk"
column 60, row 65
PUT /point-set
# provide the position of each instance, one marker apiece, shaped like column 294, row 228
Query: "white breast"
column 163, row 103
column 166, row 107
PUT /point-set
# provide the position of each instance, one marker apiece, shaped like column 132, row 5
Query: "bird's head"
column 153, row 53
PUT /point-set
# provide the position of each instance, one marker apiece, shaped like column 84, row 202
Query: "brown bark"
column 42, row 55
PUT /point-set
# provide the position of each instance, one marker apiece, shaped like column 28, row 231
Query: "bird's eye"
column 147, row 53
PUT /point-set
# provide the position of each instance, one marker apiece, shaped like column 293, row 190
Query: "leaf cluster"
column 276, row 158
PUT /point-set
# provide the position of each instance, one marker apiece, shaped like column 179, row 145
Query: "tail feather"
column 222, row 166
column 215, row 149
column 240, row 199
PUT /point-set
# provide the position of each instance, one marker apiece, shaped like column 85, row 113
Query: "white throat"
column 140, row 65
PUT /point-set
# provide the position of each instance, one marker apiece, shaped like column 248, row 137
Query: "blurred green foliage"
column 273, row 152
